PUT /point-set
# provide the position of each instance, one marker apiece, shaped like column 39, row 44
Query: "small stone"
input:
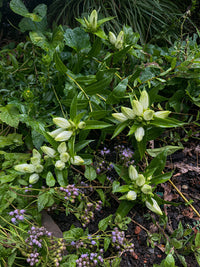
column 185, row 186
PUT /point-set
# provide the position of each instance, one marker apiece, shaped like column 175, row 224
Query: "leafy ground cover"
column 92, row 125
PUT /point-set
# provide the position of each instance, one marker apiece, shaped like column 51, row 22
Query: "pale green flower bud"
column 120, row 40
column 146, row 189
column 132, row 195
column 77, row 160
column 62, row 148
column 128, row 112
column 39, row 168
column 61, row 122
column 33, row 178
column 36, row 154
column 49, row 151
column 93, row 20
column 64, row 157
column 162, row 114
column 25, row 168
column 64, row 136
column 148, row 115
column 133, row 174
column 112, row 38
column 139, row 134
column 35, row 160
column 55, row 132
column 144, row 99
column 155, row 207
column 60, row 165
column 137, row 108
column 81, row 125
column 140, row 181
column 120, row 117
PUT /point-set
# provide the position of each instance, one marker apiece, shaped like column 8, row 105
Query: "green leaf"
column 142, row 146
column 167, row 123
column 106, row 244
column 169, row 261
column 102, row 195
column 59, row 64
column 157, row 164
column 118, row 92
column 73, row 234
column 169, row 149
column 19, row 8
column 42, row 200
column 177, row 244
column 122, row 189
column 77, row 39
column 73, row 108
column 90, row 173
column 104, row 223
column 124, row 207
column 11, row 259
column 162, row 178
column 11, row 139
column 93, row 124
column 7, row 178
column 10, row 115
column 80, row 145
column 115, row 186
column 69, row 261
column 197, row 240
column 120, row 127
column 50, row 181
column 62, row 177
column 182, row 260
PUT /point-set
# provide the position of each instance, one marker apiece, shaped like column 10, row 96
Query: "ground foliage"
column 90, row 122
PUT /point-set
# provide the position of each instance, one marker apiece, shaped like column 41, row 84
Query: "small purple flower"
column 13, row 220
column 93, row 242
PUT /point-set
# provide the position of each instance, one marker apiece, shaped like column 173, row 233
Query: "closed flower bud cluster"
column 140, row 112
column 118, row 41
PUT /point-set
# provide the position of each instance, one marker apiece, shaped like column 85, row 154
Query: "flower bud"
column 146, row 189
column 128, row 112
column 81, row 125
column 148, row 115
column 132, row 195
column 49, row 151
column 144, row 99
column 39, row 168
column 36, row 154
column 25, row 168
column 61, row 122
column 162, row 114
column 62, row 148
column 93, row 20
column 33, row 178
column 64, row 136
column 35, row 160
column 64, row 157
column 137, row 107
column 112, row 38
column 140, row 180
column 139, row 134
column 55, row 132
column 60, row 165
column 77, row 160
column 155, row 207
column 133, row 174
column 120, row 40
column 120, row 117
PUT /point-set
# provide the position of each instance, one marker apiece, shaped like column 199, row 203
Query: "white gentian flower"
column 35, row 160
column 93, row 20
column 25, row 168
column 132, row 195
column 120, row 117
column 155, row 207
column 36, row 154
column 39, row 168
column 62, row 123
column 64, row 157
column 139, row 134
column 112, row 38
column 137, row 108
column 77, row 160
column 62, row 148
column 140, row 181
column 162, row 114
column 120, row 40
column 144, row 99
column 56, row 132
column 146, row 189
column 60, row 165
column 128, row 112
column 33, row 178
column 64, row 136
column 49, row 151
column 133, row 174
column 81, row 125
column 148, row 115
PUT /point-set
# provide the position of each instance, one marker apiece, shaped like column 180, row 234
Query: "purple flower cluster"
column 125, row 155
column 103, row 166
column 17, row 215
column 92, row 259
column 35, row 235
column 88, row 214
column 104, row 151
column 71, row 192
column 118, row 238
column 27, row 190
column 33, row 258
column 87, row 187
